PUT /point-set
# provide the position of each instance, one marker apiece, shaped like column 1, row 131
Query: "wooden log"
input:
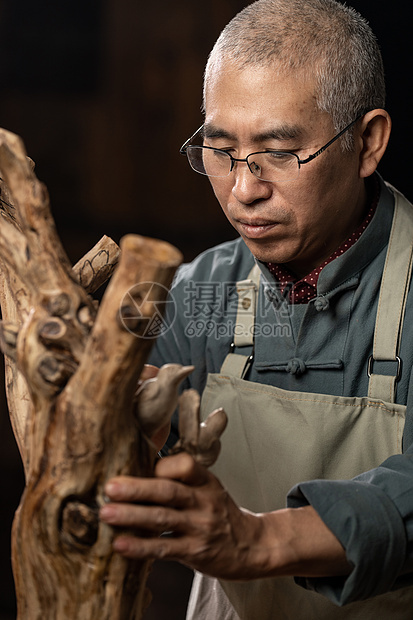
column 71, row 377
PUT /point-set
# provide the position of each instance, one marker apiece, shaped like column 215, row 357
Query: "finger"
column 148, row 491
column 212, row 429
column 210, row 456
column 154, row 519
column 163, row 548
column 182, row 467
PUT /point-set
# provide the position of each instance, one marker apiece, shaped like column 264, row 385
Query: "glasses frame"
column 184, row 148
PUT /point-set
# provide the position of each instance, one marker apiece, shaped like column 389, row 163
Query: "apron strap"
column 392, row 300
column 236, row 365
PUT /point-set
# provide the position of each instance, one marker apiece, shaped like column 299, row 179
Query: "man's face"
column 299, row 223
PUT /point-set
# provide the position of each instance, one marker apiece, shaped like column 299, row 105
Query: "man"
column 310, row 353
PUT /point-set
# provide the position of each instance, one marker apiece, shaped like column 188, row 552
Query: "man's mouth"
column 256, row 228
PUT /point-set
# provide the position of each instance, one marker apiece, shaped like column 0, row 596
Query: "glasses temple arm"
column 185, row 145
column 323, row 148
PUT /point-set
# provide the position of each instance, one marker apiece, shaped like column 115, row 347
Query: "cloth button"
column 296, row 366
column 321, row 304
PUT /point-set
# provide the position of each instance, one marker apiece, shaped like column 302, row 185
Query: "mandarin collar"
column 345, row 269
column 350, row 264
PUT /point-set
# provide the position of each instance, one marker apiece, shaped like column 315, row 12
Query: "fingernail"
column 110, row 488
column 107, row 513
column 120, row 544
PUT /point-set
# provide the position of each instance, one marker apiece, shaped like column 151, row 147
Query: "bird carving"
column 157, row 398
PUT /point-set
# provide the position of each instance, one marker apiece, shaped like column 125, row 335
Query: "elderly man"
column 306, row 343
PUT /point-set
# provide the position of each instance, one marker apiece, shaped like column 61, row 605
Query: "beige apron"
column 277, row 438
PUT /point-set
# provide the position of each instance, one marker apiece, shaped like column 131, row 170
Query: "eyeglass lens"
column 267, row 166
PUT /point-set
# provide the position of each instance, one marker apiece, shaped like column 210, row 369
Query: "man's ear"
column 374, row 135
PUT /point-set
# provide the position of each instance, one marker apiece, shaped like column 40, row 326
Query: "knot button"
column 296, row 367
column 321, row 304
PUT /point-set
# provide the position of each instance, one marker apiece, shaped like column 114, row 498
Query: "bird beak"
column 184, row 372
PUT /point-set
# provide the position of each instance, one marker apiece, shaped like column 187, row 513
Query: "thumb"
column 183, row 468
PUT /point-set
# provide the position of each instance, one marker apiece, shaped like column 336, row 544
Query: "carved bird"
column 157, row 398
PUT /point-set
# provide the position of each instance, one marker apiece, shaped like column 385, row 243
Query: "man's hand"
column 208, row 532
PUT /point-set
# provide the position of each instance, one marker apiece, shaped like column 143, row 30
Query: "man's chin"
column 266, row 252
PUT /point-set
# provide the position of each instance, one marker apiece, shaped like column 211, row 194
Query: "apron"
column 277, row 438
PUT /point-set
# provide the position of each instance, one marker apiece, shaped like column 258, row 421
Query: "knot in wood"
column 52, row 330
column 10, row 332
column 80, row 524
column 59, row 305
column 85, row 317
column 56, row 371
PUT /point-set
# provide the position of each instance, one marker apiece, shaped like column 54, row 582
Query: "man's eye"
column 221, row 153
column 278, row 155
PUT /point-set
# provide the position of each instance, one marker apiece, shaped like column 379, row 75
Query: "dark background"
column 104, row 92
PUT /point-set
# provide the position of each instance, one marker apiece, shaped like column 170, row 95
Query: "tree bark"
column 71, row 375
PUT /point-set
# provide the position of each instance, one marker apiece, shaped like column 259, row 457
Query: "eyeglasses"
column 272, row 166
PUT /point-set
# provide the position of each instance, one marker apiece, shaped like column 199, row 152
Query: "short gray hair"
column 322, row 36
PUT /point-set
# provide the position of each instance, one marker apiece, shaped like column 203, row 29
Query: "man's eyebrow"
column 282, row 132
column 210, row 131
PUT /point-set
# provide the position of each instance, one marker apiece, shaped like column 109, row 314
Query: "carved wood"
column 71, row 374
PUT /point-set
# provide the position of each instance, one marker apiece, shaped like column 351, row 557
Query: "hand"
column 210, row 533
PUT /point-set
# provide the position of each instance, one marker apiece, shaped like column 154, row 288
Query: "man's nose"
column 247, row 188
